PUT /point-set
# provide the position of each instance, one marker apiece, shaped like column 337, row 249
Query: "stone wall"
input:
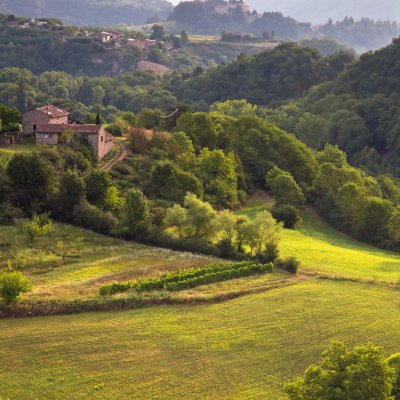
column 47, row 138
column 103, row 146
column 33, row 118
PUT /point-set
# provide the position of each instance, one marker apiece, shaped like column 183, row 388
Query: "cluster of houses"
column 48, row 123
column 115, row 38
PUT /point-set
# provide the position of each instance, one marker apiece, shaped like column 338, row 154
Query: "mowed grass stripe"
column 241, row 349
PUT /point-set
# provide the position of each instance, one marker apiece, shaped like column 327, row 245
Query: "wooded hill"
column 263, row 79
column 90, row 12
column 359, row 111
column 319, row 11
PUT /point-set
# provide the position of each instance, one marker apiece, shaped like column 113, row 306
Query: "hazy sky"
column 320, row 10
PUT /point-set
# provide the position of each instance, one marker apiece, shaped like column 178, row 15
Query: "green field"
column 323, row 250
column 239, row 349
column 243, row 348
column 203, row 38
column 94, row 261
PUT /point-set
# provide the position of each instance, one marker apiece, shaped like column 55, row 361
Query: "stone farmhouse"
column 49, row 122
column 106, row 37
column 142, row 44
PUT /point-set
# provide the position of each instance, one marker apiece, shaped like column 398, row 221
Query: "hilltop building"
column 230, row 6
column 142, row 44
column 109, row 36
column 49, row 122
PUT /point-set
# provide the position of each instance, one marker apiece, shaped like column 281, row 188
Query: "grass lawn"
column 240, row 349
column 94, row 261
column 29, row 144
column 322, row 249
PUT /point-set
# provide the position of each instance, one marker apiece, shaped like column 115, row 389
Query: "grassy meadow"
column 239, row 349
column 325, row 251
column 273, row 326
column 91, row 261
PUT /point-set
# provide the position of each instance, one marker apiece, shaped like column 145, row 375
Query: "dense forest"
column 359, row 111
column 336, row 100
column 263, row 79
column 287, row 72
column 90, row 12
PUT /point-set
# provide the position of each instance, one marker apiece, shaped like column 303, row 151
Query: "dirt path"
column 122, row 153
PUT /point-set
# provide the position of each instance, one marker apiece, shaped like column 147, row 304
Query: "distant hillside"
column 90, row 12
column 270, row 77
column 359, row 111
column 319, row 11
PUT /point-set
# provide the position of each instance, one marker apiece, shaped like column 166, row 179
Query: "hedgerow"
column 190, row 278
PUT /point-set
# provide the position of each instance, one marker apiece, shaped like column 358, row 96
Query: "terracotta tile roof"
column 60, row 128
column 154, row 67
column 53, row 111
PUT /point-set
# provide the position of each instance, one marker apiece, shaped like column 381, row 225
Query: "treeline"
column 362, row 205
column 84, row 96
column 171, row 192
column 364, row 34
column 359, row 111
column 199, row 17
column 90, row 12
column 266, row 78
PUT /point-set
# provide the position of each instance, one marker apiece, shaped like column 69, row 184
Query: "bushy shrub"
column 123, row 169
column 270, row 254
column 290, row 265
column 12, row 285
column 394, row 362
column 288, row 214
column 92, row 217
column 226, row 249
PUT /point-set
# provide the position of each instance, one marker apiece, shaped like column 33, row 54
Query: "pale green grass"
column 98, row 260
column 203, row 38
column 322, row 249
column 240, row 349
column 29, row 144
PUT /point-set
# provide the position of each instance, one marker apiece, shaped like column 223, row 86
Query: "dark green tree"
column 358, row 374
column 32, row 180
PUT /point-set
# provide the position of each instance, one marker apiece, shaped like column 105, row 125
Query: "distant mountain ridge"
column 319, row 11
column 89, row 12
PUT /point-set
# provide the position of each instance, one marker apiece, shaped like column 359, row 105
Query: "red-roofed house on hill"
column 158, row 69
column 43, row 115
column 49, row 122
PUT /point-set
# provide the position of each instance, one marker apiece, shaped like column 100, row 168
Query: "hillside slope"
column 318, row 11
column 89, row 12
column 240, row 349
column 360, row 110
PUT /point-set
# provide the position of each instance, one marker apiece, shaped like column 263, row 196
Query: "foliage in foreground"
column 12, row 285
column 358, row 374
column 190, row 278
